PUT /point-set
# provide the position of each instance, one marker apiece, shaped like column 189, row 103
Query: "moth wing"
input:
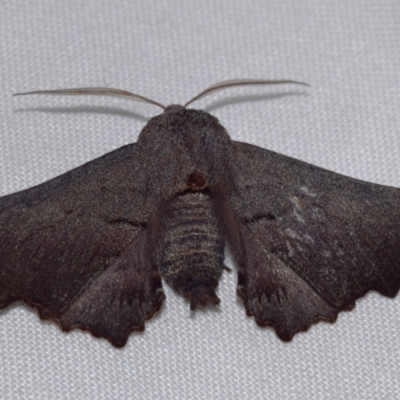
column 308, row 242
column 80, row 247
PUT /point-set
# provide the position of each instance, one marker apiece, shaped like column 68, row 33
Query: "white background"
column 348, row 121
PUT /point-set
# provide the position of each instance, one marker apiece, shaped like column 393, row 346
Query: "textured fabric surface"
column 348, row 121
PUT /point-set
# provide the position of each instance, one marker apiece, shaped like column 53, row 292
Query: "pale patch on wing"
column 290, row 249
column 298, row 208
column 308, row 192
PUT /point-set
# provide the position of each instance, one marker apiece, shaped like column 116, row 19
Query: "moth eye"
column 196, row 181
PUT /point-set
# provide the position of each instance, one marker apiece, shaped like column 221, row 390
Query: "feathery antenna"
column 95, row 91
column 241, row 82
column 101, row 91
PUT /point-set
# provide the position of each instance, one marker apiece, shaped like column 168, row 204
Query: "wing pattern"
column 311, row 241
column 78, row 247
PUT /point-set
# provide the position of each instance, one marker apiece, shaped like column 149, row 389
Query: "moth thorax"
column 193, row 248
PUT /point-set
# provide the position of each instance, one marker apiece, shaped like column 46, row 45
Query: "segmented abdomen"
column 193, row 248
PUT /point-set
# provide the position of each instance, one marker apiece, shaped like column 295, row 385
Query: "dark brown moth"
column 88, row 248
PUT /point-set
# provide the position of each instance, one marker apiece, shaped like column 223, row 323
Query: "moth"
column 88, row 249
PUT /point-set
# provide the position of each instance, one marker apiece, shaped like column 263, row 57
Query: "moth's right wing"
column 80, row 248
column 308, row 242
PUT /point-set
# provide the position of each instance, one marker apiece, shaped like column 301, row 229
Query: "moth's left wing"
column 308, row 242
column 81, row 248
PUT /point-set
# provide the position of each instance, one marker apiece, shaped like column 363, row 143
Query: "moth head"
column 173, row 108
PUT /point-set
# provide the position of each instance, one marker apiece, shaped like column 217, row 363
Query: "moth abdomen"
column 193, row 248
